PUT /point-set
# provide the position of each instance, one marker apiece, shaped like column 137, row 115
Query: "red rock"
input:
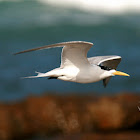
column 55, row 115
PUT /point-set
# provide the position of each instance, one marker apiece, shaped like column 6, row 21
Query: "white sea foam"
column 106, row 6
column 47, row 15
column 103, row 6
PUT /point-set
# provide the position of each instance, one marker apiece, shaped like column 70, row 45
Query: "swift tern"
column 76, row 67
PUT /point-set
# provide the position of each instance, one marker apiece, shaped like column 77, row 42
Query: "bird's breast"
column 88, row 75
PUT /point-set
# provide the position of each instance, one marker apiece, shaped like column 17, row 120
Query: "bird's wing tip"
column 55, row 45
column 15, row 53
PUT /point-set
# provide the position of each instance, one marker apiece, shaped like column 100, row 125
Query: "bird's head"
column 113, row 72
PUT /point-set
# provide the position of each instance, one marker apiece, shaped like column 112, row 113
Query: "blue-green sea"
column 30, row 24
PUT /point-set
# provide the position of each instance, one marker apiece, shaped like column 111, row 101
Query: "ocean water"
column 114, row 29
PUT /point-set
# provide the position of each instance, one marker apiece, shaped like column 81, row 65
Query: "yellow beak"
column 120, row 73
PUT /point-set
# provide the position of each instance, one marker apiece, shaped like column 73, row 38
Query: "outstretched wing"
column 106, row 61
column 73, row 53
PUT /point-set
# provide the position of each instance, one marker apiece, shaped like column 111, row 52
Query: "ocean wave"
column 102, row 6
column 27, row 14
column 105, row 6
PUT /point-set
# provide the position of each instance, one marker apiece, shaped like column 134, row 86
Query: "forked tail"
column 37, row 76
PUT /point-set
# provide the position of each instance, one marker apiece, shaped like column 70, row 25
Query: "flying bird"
column 76, row 67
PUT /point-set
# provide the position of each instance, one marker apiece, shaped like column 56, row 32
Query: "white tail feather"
column 39, row 75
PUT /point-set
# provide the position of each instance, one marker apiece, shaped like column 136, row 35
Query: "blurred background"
column 113, row 26
column 38, row 107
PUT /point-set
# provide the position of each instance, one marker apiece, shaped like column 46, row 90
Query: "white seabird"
column 76, row 67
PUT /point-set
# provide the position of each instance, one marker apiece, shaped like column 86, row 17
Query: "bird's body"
column 76, row 67
column 74, row 74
